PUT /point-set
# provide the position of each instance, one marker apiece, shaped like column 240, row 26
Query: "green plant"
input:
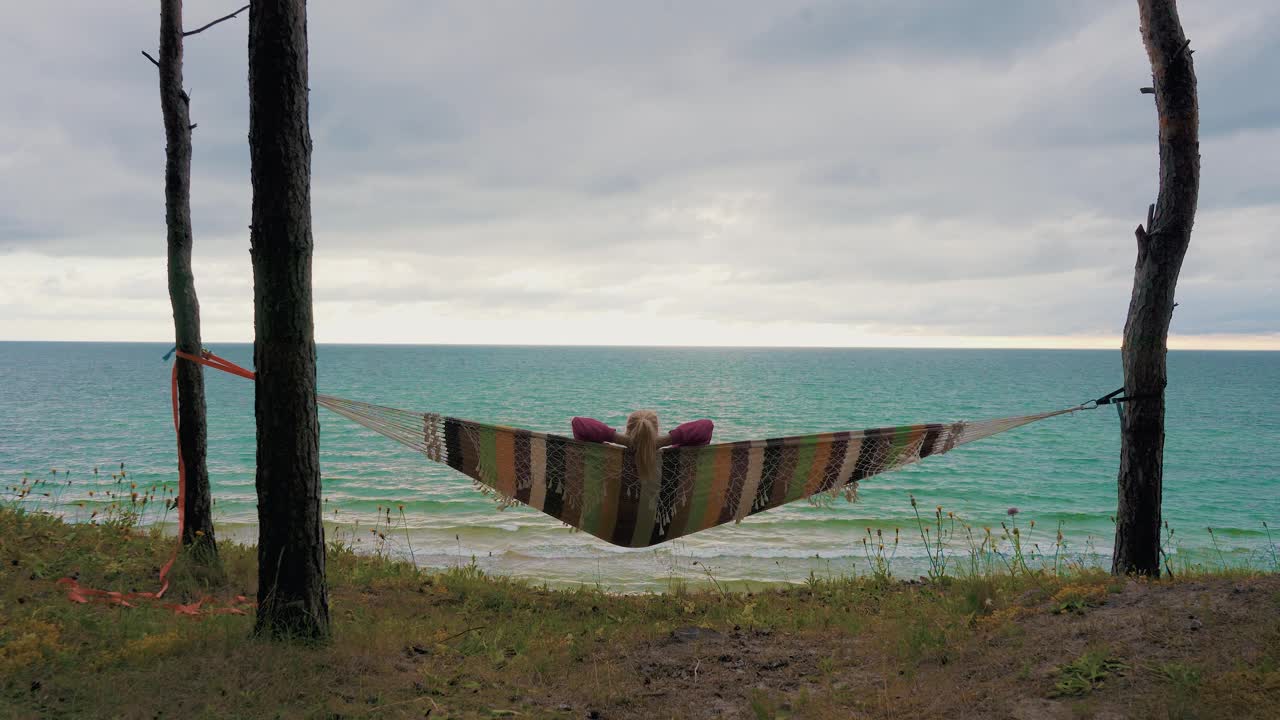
column 1214, row 539
column 879, row 557
column 1078, row 598
column 404, row 522
column 1086, row 674
column 935, row 537
column 1271, row 546
column 1169, row 543
column 765, row 707
column 1180, row 675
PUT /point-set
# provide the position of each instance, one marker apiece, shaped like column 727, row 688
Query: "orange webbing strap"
column 208, row 359
column 78, row 594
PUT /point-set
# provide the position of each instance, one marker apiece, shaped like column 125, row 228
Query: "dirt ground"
column 1184, row 650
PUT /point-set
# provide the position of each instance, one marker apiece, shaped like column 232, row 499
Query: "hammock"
column 596, row 488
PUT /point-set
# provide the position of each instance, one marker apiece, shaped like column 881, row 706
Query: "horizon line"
column 641, row 346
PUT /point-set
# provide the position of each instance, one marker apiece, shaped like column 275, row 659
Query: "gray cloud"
column 910, row 164
column 905, row 30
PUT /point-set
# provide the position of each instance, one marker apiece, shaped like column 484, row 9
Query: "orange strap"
column 78, row 594
column 208, row 359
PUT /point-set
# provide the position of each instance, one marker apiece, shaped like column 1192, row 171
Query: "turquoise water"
column 74, row 406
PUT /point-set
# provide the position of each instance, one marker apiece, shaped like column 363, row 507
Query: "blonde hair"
column 642, row 431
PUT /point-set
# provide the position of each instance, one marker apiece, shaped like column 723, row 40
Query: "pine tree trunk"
column 192, row 430
column 292, row 600
column 1161, row 249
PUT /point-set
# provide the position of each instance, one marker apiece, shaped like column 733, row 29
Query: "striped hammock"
column 596, row 488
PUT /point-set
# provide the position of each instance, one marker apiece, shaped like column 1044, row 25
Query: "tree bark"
column 1162, row 245
column 192, row 428
column 292, row 600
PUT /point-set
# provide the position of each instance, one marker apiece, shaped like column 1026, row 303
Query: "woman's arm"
column 592, row 430
column 692, row 433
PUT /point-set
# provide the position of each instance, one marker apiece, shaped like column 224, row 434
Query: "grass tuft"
column 1086, row 674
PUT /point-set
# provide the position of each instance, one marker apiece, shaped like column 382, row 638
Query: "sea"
column 74, row 414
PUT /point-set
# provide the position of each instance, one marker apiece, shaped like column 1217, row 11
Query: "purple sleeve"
column 694, row 432
column 591, row 430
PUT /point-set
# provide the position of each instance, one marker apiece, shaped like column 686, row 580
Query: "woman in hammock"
column 641, row 434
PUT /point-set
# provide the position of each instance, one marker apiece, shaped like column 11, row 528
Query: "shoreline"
column 522, row 553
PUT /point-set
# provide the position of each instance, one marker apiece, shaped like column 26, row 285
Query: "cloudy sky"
column 851, row 172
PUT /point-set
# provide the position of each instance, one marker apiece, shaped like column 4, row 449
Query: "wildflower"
column 913, row 500
column 1012, row 511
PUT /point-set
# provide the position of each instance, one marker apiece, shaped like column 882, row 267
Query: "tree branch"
column 224, row 18
column 1186, row 44
column 154, row 61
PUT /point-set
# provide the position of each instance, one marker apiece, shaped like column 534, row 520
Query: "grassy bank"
column 460, row 644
